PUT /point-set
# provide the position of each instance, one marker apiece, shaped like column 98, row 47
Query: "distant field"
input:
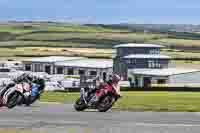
column 32, row 51
column 180, row 54
column 179, row 42
column 18, row 28
column 11, row 44
column 107, row 36
column 95, row 40
column 46, row 51
column 65, row 35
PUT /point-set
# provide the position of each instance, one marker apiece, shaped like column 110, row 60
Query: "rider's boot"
column 93, row 101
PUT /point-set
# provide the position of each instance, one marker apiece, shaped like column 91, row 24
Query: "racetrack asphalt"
column 62, row 118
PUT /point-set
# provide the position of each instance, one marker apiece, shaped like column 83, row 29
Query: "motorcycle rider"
column 37, row 81
column 25, row 77
column 114, row 82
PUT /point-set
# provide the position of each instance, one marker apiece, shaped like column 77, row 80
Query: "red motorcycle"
column 101, row 99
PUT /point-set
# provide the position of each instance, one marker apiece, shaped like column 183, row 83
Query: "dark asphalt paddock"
column 61, row 118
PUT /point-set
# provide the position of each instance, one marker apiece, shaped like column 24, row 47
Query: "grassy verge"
column 59, row 97
column 160, row 101
column 141, row 101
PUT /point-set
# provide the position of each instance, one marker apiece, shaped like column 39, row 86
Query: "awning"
column 162, row 72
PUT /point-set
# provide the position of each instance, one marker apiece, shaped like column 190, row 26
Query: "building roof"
column 138, row 45
column 87, row 63
column 149, row 56
column 52, row 59
column 13, row 74
column 162, row 72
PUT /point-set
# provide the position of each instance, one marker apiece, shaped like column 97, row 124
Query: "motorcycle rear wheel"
column 80, row 105
column 105, row 103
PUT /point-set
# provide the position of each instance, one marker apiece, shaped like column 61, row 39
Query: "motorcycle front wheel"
column 105, row 103
column 80, row 105
column 31, row 99
column 13, row 99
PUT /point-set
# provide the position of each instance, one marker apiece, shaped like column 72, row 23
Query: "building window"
column 161, row 81
column 133, row 61
column 60, row 70
column 81, row 72
column 155, row 51
column 27, row 67
column 70, row 71
column 150, row 64
column 93, row 73
column 157, row 64
column 128, row 61
column 47, row 69
column 4, row 70
column 38, row 67
column 154, row 64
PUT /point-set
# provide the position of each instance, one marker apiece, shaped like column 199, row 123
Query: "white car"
column 70, row 83
column 53, row 86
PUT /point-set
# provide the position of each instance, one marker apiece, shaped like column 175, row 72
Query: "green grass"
column 141, row 101
column 59, row 97
column 160, row 101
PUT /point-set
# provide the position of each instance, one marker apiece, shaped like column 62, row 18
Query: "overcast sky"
column 103, row 11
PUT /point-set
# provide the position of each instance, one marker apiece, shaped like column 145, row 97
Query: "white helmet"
column 116, row 78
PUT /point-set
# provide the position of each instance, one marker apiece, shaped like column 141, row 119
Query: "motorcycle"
column 31, row 90
column 107, row 98
column 9, row 96
column 24, row 90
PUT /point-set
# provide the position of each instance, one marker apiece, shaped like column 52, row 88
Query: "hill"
column 18, row 37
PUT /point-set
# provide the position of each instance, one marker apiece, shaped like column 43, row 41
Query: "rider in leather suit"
column 114, row 83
